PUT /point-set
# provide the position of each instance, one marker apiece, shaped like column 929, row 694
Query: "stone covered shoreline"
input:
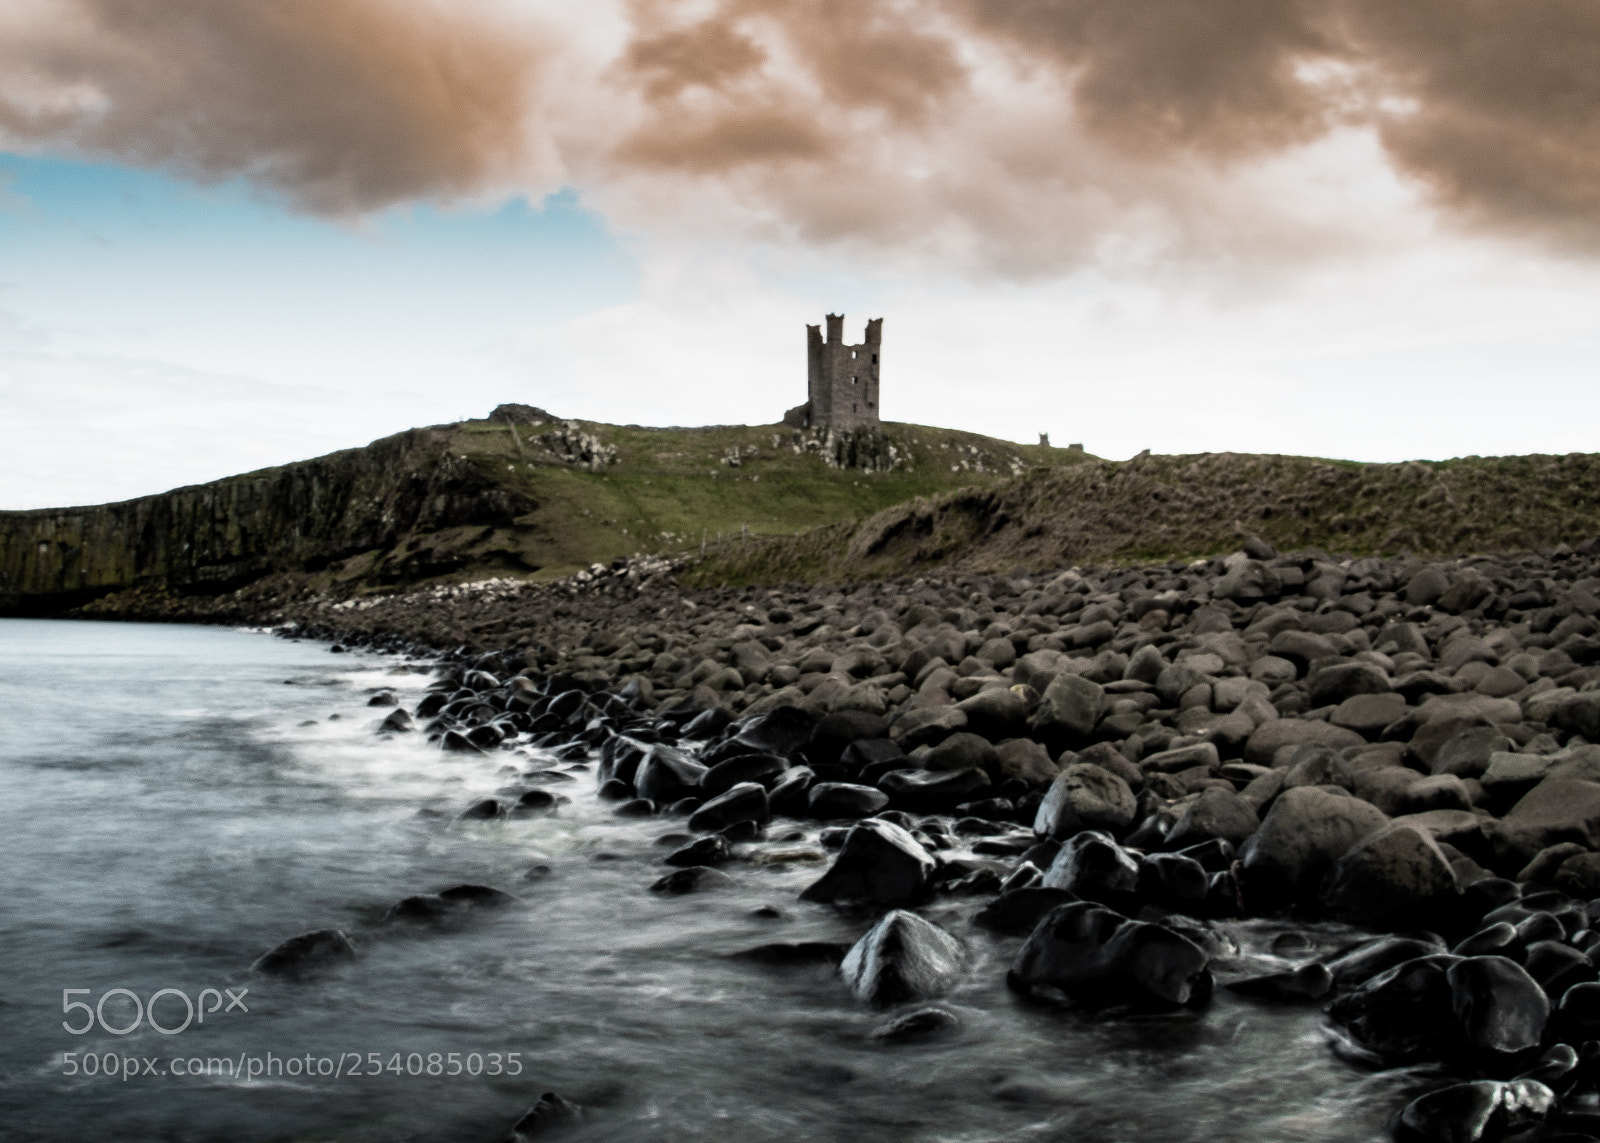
column 1118, row 762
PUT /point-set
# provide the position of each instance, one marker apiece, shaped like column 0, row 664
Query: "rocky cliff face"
column 215, row 537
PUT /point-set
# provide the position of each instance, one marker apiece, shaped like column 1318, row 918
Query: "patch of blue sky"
column 146, row 261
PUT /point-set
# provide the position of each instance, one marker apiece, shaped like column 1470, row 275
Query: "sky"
column 234, row 235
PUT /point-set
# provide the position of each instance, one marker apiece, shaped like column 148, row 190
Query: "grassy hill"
column 670, row 489
column 1157, row 508
column 541, row 499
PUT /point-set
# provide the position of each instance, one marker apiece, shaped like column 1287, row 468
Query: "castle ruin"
column 842, row 380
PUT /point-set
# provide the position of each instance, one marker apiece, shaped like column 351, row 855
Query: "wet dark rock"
column 1577, row 1014
column 1091, row 955
column 829, row 800
column 486, row 737
column 879, row 864
column 790, row 795
column 1498, row 939
column 636, row 808
column 932, row 792
column 1084, row 796
column 307, row 954
column 1500, row 1010
column 746, row 802
column 902, row 958
column 454, row 742
column 1306, row 984
column 712, row 850
column 550, row 1117
column 1019, row 910
column 1482, row 1111
column 922, row 1024
column 1355, row 966
column 693, row 879
column 1214, row 856
column 666, row 775
column 785, row 954
column 398, row 722
column 1557, row 966
column 707, row 724
column 780, row 732
column 763, row 769
column 1174, row 881
column 1403, row 1014
column 537, row 802
column 989, row 809
column 741, row 831
column 486, row 809
column 1093, row 867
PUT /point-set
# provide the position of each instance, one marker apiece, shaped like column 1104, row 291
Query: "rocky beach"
column 1115, row 771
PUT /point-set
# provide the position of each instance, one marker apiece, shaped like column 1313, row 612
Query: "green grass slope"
column 668, row 490
column 1156, row 508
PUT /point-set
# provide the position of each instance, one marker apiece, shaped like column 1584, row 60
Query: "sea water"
column 175, row 801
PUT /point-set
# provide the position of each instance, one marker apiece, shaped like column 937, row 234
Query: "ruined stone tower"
column 842, row 381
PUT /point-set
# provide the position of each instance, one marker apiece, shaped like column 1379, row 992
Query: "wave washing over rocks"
column 1136, row 760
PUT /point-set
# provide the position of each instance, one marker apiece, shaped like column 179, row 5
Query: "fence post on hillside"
column 702, row 543
column 744, row 534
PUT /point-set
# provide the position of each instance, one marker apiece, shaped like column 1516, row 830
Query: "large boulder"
column 1093, row 866
column 962, row 751
column 1481, row 1111
column 1556, row 810
column 1305, row 832
column 765, row 769
column 902, row 958
column 746, row 802
column 1068, row 711
column 1025, row 760
column 844, row 800
column 1216, row 813
column 924, row 726
column 781, row 731
column 1396, row 878
column 307, row 954
column 1404, row 1013
column 1333, row 684
column 1270, row 737
column 1085, row 796
column 996, row 713
column 879, row 864
column 667, row 775
column 931, row 791
column 1092, row 955
column 1500, row 1010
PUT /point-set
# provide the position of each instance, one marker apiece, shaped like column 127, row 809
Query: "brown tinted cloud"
column 343, row 105
column 1024, row 133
